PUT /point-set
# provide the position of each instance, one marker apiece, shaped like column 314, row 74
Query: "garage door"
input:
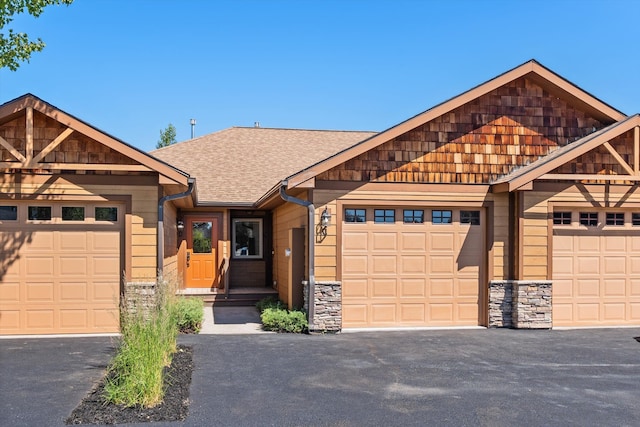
column 60, row 268
column 596, row 268
column 411, row 266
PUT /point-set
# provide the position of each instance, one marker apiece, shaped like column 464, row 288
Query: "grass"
column 135, row 376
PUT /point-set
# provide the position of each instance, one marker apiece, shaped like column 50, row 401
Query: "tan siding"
column 500, row 236
column 170, row 261
column 285, row 217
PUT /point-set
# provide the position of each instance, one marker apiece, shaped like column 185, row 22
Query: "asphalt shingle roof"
column 240, row 164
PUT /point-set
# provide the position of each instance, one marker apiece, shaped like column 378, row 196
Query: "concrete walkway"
column 231, row 321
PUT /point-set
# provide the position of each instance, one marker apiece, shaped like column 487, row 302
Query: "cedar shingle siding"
column 476, row 143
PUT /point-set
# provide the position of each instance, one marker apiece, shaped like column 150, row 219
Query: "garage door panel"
column 383, row 264
column 562, row 264
column 615, row 243
column 355, row 314
column 412, row 287
column 41, row 242
column 413, row 242
column 615, row 265
column 587, row 288
column 442, row 241
column 355, row 264
column 614, row 288
column 563, row 244
column 614, row 312
column 74, row 318
column 10, row 320
column 383, row 288
column 588, row 265
column 39, row 292
column 355, row 241
column 442, row 264
column 412, row 313
column 105, row 320
column 439, row 288
column 634, row 264
column 468, row 288
column 73, row 291
column 413, row 264
column 634, row 311
column 441, row 313
column 588, row 244
column 9, row 292
column 355, row 288
column 634, row 288
column 468, row 312
column 74, row 265
column 105, row 241
column 383, row 313
column 74, row 242
column 39, row 266
column 39, row 320
column 588, row 312
column 384, row 242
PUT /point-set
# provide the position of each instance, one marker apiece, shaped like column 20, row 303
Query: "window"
column 562, row 218
column 106, row 214
column 470, row 217
column 441, row 217
column 72, row 213
column 615, row 218
column 247, row 238
column 590, row 219
column 355, row 215
column 384, row 215
column 39, row 213
column 8, row 213
column 411, row 216
column 635, row 219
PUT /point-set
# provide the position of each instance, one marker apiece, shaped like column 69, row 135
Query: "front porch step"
column 239, row 297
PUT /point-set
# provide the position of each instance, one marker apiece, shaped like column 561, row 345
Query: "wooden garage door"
column 60, row 275
column 596, row 268
column 413, row 273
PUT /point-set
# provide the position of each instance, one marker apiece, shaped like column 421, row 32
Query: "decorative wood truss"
column 33, row 160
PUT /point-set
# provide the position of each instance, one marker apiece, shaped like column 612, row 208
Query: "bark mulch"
column 95, row 410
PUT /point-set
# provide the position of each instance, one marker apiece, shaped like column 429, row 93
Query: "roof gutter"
column 161, row 203
column 310, row 244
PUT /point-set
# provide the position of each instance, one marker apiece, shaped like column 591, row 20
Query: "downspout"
column 310, row 244
column 161, row 203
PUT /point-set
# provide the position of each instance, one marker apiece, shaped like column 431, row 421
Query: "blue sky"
column 131, row 67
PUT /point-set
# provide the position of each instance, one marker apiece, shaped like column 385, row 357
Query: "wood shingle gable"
column 38, row 137
column 475, row 137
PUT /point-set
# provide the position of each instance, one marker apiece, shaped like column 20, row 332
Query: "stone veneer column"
column 140, row 297
column 500, row 303
column 532, row 304
column 327, row 306
column 520, row 304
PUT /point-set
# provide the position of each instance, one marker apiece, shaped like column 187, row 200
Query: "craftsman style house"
column 514, row 204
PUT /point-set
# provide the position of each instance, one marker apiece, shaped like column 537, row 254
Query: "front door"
column 202, row 243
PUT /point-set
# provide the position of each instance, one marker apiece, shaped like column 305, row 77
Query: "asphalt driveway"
column 445, row 377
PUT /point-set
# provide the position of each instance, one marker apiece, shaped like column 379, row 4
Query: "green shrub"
column 189, row 314
column 282, row 320
column 269, row 302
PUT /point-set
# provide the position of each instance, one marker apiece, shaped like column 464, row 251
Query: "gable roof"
column 532, row 69
column 565, row 154
column 238, row 165
column 14, row 108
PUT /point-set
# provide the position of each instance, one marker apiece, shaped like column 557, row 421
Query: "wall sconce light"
column 325, row 218
column 180, row 227
column 321, row 229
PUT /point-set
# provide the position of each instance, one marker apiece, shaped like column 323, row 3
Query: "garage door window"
column 411, row 216
column 8, row 213
column 384, row 215
column 72, row 213
column 355, row 215
column 441, row 217
column 470, row 217
column 590, row 219
column 635, row 219
column 40, row 213
column 615, row 218
column 106, row 214
column 562, row 218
